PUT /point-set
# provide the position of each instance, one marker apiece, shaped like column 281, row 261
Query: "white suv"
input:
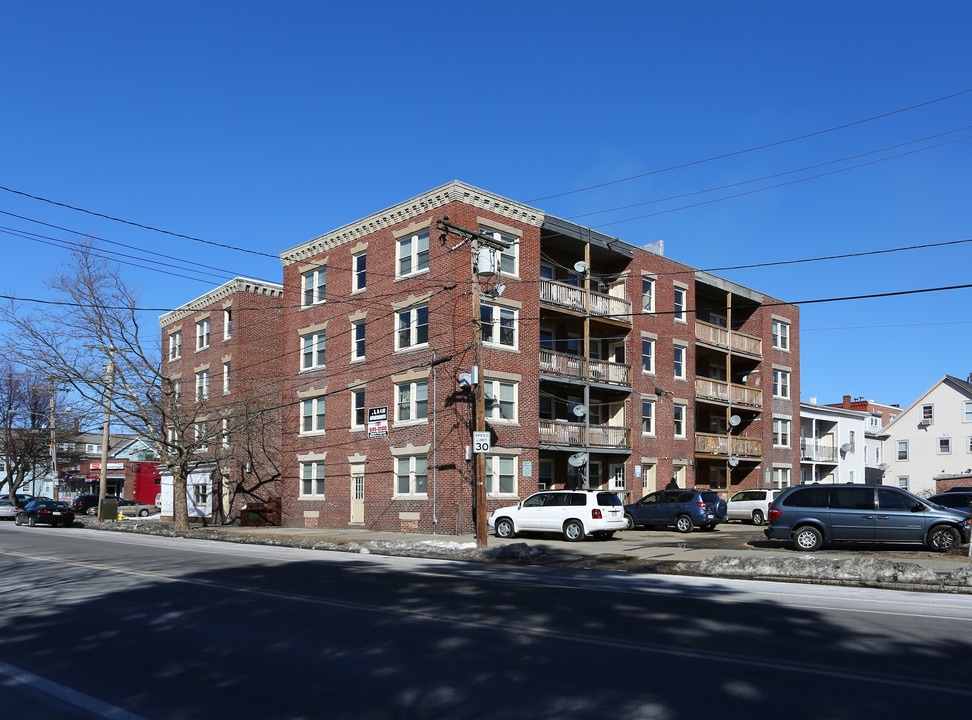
column 751, row 505
column 573, row 513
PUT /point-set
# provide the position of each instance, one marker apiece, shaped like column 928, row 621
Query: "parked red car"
column 46, row 512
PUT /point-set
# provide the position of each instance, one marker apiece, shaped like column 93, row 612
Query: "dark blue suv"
column 684, row 510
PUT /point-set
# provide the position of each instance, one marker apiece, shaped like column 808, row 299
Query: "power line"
column 755, row 148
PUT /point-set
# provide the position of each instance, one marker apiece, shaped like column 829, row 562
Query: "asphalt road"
column 121, row 625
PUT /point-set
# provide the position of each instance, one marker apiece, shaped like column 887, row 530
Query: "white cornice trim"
column 403, row 212
column 233, row 287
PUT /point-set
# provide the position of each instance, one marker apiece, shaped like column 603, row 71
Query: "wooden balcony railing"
column 736, row 341
column 718, row 444
column 721, row 391
column 572, row 297
column 580, row 368
column 558, row 432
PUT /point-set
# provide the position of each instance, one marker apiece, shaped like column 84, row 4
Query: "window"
column 312, row 479
column 413, row 254
column 227, row 323
column 968, row 412
column 500, row 475
column 500, row 400
column 312, row 415
column 781, row 383
column 357, row 409
column 647, row 417
column 648, row 355
column 506, row 258
column 678, row 312
column 358, row 340
column 200, row 494
column 175, row 346
column 903, row 482
column 224, row 434
column 781, row 432
column 648, row 475
column 902, row 449
column 413, row 327
column 781, row 478
column 201, row 431
column 498, row 325
column 647, row 294
column 202, row 334
column 944, row 446
column 412, row 401
column 781, row 335
column 359, row 264
column 226, row 377
column 313, row 287
column 176, row 391
column 969, row 445
column 927, row 414
column 412, row 476
column 679, row 362
column 202, row 385
column 312, row 351
column 678, row 420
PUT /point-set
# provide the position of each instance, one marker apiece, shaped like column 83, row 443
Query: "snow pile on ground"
column 866, row 571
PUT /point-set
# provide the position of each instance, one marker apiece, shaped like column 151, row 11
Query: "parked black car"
column 46, row 512
column 952, row 499
column 682, row 509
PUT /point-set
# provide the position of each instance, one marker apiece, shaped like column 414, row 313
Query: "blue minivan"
column 810, row 515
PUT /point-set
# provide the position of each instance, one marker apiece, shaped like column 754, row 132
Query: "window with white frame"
column 507, row 261
column 202, row 385
column 647, row 294
column 781, row 383
column 648, row 474
column 500, row 475
column 944, row 446
column 227, row 371
column 781, row 432
column 227, row 323
column 500, row 400
column 902, row 449
column 358, row 414
column 679, row 353
column 176, row 386
column 927, row 414
column 359, row 276
column 358, row 340
column 224, row 434
column 312, row 479
column 412, row 476
column 903, row 482
column 202, row 334
column 312, row 347
column 200, row 494
column 313, row 286
column 312, row 415
column 680, row 303
column 201, row 431
column 175, row 346
column 647, row 416
column 412, row 401
column 413, row 327
column 648, row 355
column 679, row 414
column 781, row 334
column 499, row 325
column 413, row 254
column 968, row 445
column 781, row 478
column 968, row 412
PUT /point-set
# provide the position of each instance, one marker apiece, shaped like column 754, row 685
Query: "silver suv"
column 810, row 515
column 575, row 514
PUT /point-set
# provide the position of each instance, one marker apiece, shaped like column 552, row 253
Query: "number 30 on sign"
column 480, row 442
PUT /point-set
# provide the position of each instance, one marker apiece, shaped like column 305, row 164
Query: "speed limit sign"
column 480, row 442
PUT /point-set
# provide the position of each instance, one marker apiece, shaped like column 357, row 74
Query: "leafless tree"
column 24, row 434
column 93, row 340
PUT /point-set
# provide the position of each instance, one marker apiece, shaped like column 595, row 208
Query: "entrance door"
column 357, row 498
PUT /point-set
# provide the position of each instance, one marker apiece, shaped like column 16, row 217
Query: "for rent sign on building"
column 378, row 422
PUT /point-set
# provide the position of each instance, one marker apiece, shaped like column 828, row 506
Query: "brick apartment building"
column 223, row 362
column 604, row 364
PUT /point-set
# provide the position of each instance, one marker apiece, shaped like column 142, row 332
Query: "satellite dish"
column 846, row 448
column 734, row 420
column 882, row 467
column 579, row 410
column 733, row 461
column 581, row 266
column 577, row 459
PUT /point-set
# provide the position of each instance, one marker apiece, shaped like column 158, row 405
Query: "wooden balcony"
column 572, row 297
column 576, row 367
column 720, row 391
column 720, row 337
column 718, row 444
column 558, row 432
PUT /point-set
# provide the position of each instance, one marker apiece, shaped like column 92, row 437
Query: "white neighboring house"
column 199, row 493
column 832, row 444
column 929, row 445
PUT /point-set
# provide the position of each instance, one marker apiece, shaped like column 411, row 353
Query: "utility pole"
column 109, row 382
column 54, row 491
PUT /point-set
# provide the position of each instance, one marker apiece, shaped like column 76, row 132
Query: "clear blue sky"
column 262, row 125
